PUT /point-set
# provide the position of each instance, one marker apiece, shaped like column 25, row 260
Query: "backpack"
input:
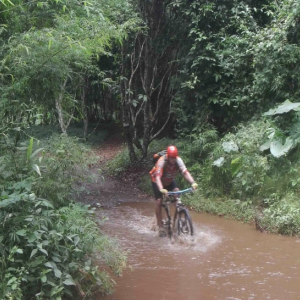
column 155, row 158
column 158, row 155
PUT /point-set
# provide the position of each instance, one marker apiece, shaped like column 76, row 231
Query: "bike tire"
column 184, row 223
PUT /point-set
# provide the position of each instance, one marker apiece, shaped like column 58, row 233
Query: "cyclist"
column 162, row 176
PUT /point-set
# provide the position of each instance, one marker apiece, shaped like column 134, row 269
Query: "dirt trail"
column 108, row 191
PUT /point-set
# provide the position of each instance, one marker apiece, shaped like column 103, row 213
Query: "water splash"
column 137, row 226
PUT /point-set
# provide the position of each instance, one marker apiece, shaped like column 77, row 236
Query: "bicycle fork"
column 182, row 222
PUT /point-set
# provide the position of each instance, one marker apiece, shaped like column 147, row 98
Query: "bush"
column 283, row 217
column 47, row 243
column 65, row 158
column 225, row 207
column 47, row 252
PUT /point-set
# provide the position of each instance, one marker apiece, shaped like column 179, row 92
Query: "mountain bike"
column 182, row 223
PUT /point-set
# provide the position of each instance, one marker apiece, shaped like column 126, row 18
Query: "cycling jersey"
column 167, row 171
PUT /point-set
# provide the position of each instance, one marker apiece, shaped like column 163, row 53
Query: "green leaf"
column 236, row 166
column 230, row 147
column 33, row 252
column 219, row 162
column 36, row 168
column 55, row 290
column 21, row 232
column 38, row 261
column 44, row 251
column 57, row 273
column 285, row 107
column 32, row 238
column 56, row 259
column 10, row 281
column 49, row 44
column 6, row 174
column 13, row 199
column 59, row 151
column 36, row 152
column 76, row 240
column 29, row 149
column 27, row 185
column 48, row 264
column 69, row 282
column 278, row 149
column 265, row 146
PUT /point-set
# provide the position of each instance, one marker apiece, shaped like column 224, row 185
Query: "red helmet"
column 172, row 151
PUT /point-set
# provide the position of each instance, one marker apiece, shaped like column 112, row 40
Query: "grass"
column 228, row 208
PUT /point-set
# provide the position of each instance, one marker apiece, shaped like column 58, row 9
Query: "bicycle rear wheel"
column 184, row 223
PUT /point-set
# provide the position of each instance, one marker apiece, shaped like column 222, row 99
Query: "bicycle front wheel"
column 184, row 223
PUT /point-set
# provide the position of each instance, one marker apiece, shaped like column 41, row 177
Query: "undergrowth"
column 50, row 246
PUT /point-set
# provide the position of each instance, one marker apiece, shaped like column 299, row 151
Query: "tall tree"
column 51, row 49
column 149, row 65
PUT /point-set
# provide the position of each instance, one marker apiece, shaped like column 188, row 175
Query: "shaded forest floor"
column 108, row 191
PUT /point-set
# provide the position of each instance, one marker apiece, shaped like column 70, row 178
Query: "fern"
column 295, row 132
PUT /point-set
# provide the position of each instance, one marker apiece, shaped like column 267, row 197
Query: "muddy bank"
column 108, row 192
column 104, row 190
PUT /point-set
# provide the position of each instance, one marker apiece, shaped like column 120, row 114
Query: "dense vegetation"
column 219, row 77
column 51, row 247
column 234, row 108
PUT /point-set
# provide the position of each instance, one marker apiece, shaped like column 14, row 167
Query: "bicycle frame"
column 179, row 207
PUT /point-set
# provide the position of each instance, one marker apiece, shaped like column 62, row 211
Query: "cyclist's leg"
column 158, row 212
column 158, row 209
column 172, row 187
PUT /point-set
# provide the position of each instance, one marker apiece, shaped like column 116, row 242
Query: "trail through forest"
column 108, row 191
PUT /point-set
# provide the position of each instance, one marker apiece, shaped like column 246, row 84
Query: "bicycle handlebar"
column 180, row 192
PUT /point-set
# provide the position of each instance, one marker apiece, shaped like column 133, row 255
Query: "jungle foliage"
column 49, row 244
column 51, row 247
column 222, row 77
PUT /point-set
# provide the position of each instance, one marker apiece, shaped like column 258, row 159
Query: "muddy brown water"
column 225, row 260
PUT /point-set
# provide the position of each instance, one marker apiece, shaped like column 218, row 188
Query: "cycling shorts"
column 158, row 194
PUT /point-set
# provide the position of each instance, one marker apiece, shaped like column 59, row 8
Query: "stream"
column 225, row 260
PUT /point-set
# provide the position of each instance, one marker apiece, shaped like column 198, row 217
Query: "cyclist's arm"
column 159, row 183
column 188, row 177
column 184, row 171
column 159, row 172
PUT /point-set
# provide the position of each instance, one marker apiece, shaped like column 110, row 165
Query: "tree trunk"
column 84, row 108
column 147, row 85
column 125, row 100
column 59, row 109
column 147, row 101
column 60, row 115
